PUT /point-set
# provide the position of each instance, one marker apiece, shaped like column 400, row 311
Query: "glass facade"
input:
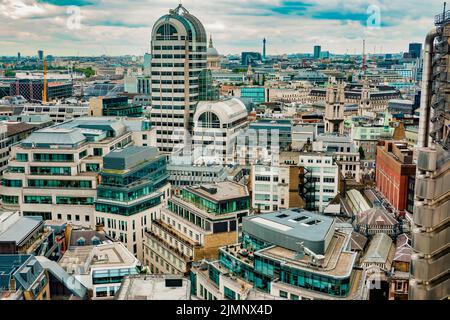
column 38, row 199
column 52, row 157
column 262, row 270
column 75, row 200
column 16, row 169
column 140, row 182
column 50, row 171
column 128, row 210
column 215, row 207
column 112, row 275
column 12, row 183
column 10, row 199
column 76, row 184
column 22, row 157
column 254, row 94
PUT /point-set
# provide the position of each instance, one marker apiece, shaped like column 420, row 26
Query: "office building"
column 275, row 187
column 415, row 50
column 179, row 54
column 250, row 58
column 366, row 136
column 207, row 90
column 54, row 172
column 57, row 113
column 113, row 107
column 31, row 89
column 217, row 125
column 429, row 270
column 253, row 94
column 317, row 52
column 194, row 225
column 290, row 254
column 26, row 235
column 183, row 175
column 320, row 179
column 40, row 55
column 263, row 140
column 394, row 166
column 133, row 187
column 100, row 266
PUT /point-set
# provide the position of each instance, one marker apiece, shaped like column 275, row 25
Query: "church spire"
column 210, row 42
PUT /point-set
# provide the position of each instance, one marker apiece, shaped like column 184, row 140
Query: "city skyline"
column 92, row 27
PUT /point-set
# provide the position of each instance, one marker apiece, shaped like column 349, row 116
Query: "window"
column 294, row 297
column 283, row 294
column 77, row 217
column 59, row 216
column 144, row 137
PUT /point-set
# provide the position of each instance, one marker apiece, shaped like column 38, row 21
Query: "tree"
column 362, row 154
column 10, row 73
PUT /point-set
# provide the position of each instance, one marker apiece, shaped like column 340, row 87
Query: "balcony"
column 180, row 237
column 168, row 246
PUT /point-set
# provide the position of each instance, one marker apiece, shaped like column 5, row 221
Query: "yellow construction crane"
column 44, row 91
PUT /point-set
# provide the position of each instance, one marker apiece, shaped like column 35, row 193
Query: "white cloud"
column 123, row 27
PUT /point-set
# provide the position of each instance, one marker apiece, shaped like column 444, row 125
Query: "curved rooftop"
column 212, row 52
column 227, row 111
column 194, row 28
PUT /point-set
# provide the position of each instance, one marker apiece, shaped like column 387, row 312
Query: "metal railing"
column 442, row 18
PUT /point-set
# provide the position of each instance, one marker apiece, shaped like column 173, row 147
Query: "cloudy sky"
column 119, row 27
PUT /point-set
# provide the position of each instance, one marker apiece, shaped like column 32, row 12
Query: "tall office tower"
column 415, row 50
column 264, row 49
column 334, row 109
column 18, row 56
column 317, row 50
column 430, row 272
column 179, row 46
column 41, row 55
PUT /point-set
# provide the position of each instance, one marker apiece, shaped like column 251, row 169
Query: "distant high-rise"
column 430, row 233
column 317, row 50
column 41, row 55
column 179, row 48
column 249, row 58
column 415, row 50
column 18, row 56
column 264, row 49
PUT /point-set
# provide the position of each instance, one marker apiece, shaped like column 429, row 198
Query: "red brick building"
column 394, row 167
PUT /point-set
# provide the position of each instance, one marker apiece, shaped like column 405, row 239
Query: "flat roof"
column 220, row 191
column 20, row 230
column 154, row 287
column 104, row 255
column 299, row 224
column 128, row 157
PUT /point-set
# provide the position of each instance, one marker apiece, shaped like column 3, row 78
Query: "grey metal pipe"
column 425, row 100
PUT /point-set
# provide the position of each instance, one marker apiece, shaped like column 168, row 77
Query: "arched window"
column 167, row 32
column 208, row 120
column 95, row 241
column 81, row 241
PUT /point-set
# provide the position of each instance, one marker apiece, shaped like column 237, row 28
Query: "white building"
column 274, row 187
column 323, row 177
column 179, row 46
column 54, row 172
column 100, row 267
column 216, row 127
